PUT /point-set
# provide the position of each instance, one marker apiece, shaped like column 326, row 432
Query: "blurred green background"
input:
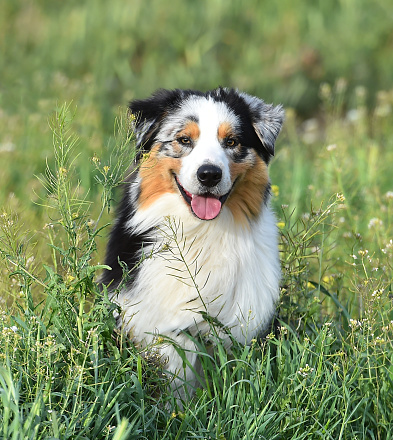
column 100, row 54
column 108, row 52
column 330, row 63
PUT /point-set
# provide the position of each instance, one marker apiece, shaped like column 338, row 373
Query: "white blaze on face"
column 208, row 149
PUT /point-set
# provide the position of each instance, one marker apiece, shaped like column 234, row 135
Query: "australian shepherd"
column 195, row 229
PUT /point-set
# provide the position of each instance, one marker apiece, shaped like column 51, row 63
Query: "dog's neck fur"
column 219, row 267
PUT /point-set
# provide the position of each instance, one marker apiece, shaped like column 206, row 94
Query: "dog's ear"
column 148, row 114
column 267, row 120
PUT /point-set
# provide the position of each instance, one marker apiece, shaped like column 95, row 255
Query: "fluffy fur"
column 198, row 210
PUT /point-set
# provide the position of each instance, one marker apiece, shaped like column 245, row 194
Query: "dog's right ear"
column 148, row 115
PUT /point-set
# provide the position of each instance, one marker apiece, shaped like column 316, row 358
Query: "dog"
column 195, row 229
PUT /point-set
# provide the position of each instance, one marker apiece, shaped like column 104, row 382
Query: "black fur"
column 123, row 245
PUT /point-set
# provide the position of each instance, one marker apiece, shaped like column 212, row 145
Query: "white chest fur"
column 228, row 270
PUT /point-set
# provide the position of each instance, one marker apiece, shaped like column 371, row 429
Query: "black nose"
column 209, row 175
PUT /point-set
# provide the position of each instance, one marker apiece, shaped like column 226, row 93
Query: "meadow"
column 68, row 70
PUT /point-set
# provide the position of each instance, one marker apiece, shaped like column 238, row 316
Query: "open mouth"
column 204, row 206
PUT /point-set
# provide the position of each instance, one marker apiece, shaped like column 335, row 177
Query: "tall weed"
column 66, row 373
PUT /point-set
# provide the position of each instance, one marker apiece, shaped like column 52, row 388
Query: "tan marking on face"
column 191, row 130
column 156, row 177
column 246, row 199
column 224, row 130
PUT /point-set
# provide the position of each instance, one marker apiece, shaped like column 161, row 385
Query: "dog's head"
column 210, row 148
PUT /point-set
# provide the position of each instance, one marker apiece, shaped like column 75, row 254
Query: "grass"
column 326, row 374
column 63, row 371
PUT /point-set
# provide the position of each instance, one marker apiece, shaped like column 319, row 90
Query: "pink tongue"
column 204, row 207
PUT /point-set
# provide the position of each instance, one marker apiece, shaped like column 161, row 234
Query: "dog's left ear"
column 267, row 120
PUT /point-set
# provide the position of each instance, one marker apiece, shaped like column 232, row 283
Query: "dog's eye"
column 230, row 142
column 184, row 140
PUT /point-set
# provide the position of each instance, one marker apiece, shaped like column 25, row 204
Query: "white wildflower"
column 331, row 147
column 354, row 323
column 305, row 371
column 375, row 223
